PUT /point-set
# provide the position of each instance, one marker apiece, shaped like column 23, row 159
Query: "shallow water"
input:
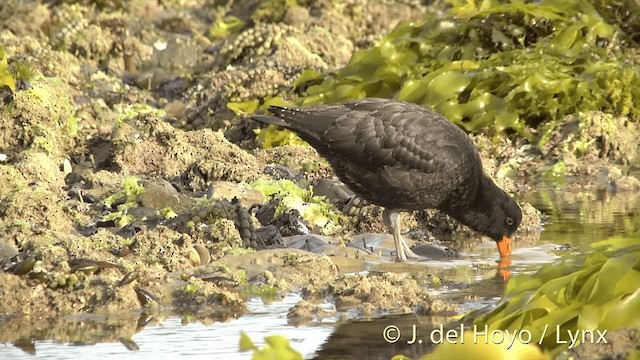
column 573, row 222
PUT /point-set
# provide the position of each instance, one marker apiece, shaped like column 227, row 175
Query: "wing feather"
column 376, row 133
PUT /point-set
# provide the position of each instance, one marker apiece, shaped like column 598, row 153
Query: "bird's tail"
column 306, row 124
column 270, row 119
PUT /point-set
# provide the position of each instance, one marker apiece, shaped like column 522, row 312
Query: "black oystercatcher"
column 405, row 157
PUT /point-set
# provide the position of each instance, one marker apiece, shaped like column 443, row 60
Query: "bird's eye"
column 510, row 221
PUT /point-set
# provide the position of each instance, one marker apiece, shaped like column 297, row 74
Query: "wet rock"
column 161, row 195
column 305, row 312
column 144, row 213
column 531, row 219
column 622, row 344
column 621, row 182
column 433, row 251
column 164, row 247
column 266, row 214
column 281, row 172
column 78, row 191
column 129, row 344
column 128, row 231
column 374, row 293
column 202, row 295
column 39, row 122
column 295, row 161
column 291, row 223
column 288, row 223
column 228, row 191
column 7, row 251
column 373, row 243
column 211, row 222
column 36, row 209
column 591, row 136
column 221, row 281
column 333, row 189
column 269, row 237
column 89, row 265
column 214, row 158
column 310, row 242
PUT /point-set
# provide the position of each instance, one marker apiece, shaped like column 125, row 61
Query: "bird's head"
column 504, row 218
column 493, row 213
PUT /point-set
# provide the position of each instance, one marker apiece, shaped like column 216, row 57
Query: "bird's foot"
column 409, row 254
column 405, row 253
column 401, row 257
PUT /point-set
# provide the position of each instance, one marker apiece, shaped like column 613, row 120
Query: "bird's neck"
column 477, row 212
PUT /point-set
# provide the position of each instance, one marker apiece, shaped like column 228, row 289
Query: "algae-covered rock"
column 210, row 156
column 145, row 143
column 590, row 136
column 26, row 212
column 40, row 118
column 315, row 210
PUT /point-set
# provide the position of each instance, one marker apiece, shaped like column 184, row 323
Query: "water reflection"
column 164, row 337
column 582, row 218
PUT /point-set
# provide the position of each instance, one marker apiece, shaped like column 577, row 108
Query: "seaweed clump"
column 599, row 292
column 315, row 210
column 504, row 65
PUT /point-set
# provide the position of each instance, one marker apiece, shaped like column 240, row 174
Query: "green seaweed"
column 598, row 292
column 24, row 71
column 502, row 65
column 6, row 78
column 272, row 11
column 315, row 210
column 271, row 136
column 267, row 293
column 136, row 110
column 127, row 197
column 276, row 347
column 226, row 27
column 243, row 107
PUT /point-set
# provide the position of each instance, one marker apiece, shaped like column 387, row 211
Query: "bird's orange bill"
column 504, row 246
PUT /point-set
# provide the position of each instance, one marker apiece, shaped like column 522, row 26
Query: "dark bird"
column 405, row 157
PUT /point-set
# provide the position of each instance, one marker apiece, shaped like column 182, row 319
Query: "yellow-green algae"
column 271, row 136
column 226, row 27
column 315, row 210
column 6, row 78
column 276, row 347
column 594, row 135
column 272, row 11
column 129, row 193
column 598, row 292
column 40, row 117
column 501, row 65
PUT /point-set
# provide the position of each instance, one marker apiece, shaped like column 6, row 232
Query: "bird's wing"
column 379, row 133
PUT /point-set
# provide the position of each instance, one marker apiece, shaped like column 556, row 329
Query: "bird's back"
column 395, row 154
